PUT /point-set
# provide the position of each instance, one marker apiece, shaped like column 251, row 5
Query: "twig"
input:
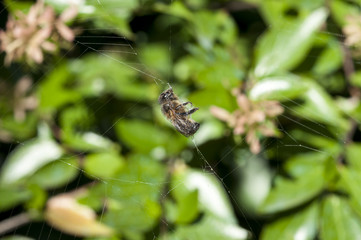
column 14, row 222
column 349, row 69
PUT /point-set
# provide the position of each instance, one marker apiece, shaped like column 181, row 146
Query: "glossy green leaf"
column 38, row 198
column 285, row 46
column 144, row 136
column 338, row 220
column 28, row 158
column 75, row 122
column 133, row 195
column 318, row 139
column 330, row 59
column 206, row 98
column 56, row 174
column 116, row 76
column 320, row 106
column 273, row 12
column 281, row 88
column 20, row 130
column 356, row 78
column 176, row 9
column 254, row 177
column 209, row 130
column 187, row 181
column 301, row 225
column 301, row 164
column 89, row 141
column 187, row 67
column 278, row 12
column 219, row 75
column 156, row 56
column 288, row 194
column 353, row 155
column 54, row 92
column 187, row 209
column 14, row 6
column 210, row 26
column 12, row 196
column 340, row 10
column 211, row 229
column 108, row 15
column 103, row 165
column 351, row 181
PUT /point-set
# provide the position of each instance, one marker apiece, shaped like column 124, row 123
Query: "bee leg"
column 188, row 112
column 183, row 104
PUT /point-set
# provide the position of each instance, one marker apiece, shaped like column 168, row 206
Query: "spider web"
column 120, row 45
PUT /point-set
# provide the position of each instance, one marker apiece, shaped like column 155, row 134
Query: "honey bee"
column 177, row 114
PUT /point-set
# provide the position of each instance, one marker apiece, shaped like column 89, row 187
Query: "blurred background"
column 85, row 152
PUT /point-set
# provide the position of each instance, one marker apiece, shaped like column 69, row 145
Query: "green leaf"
column 330, row 59
column 209, row 130
column 89, row 141
column 206, row 97
column 115, row 76
column 108, row 15
column 221, row 74
column 38, row 198
column 282, row 88
column 133, row 195
column 54, row 92
column 277, row 12
column 186, row 181
column 211, row 229
column 26, row 159
column 319, row 140
column 13, row 6
column 157, row 57
column 351, row 181
column 103, row 165
column 299, row 165
column 353, row 155
column 75, row 122
column 338, row 220
column 176, row 9
column 285, row 46
column 20, row 130
column 12, row 196
column 301, row 225
column 254, row 177
column 188, row 67
column 56, row 174
column 144, row 136
column 320, row 106
column 356, row 78
column 340, row 10
column 288, row 194
column 187, row 209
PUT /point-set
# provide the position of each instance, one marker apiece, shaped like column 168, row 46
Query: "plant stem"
column 14, row 222
column 349, row 69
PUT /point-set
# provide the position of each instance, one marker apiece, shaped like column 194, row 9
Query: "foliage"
column 86, row 152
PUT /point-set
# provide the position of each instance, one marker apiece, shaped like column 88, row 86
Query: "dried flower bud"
column 66, row 214
column 352, row 30
column 22, row 101
column 27, row 37
column 255, row 119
